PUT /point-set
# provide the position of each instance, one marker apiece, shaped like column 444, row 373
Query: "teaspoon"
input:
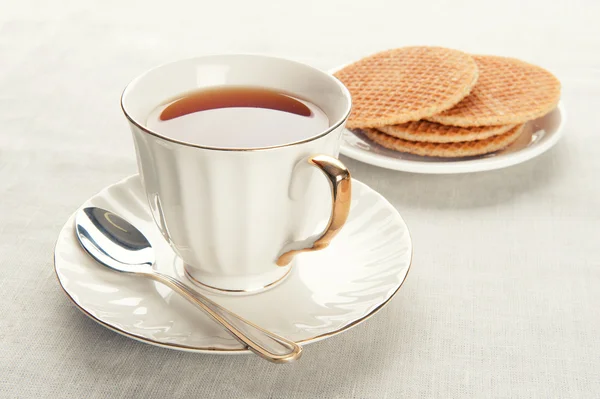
column 115, row 243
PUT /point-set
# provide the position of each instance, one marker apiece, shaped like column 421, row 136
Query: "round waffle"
column 446, row 150
column 508, row 92
column 437, row 133
column 406, row 84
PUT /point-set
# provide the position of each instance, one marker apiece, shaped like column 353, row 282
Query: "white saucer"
column 539, row 136
column 328, row 291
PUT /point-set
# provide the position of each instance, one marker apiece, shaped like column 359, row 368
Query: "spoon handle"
column 266, row 344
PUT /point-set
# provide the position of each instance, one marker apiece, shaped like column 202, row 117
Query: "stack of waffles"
column 439, row 102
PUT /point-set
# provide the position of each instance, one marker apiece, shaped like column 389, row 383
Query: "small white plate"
column 327, row 292
column 539, row 136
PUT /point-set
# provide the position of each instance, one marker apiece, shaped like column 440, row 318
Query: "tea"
column 238, row 117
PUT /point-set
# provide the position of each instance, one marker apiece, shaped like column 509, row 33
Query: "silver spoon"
column 115, row 243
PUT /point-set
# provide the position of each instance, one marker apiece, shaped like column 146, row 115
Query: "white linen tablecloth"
column 503, row 296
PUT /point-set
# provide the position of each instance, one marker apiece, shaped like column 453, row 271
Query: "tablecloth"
column 502, row 299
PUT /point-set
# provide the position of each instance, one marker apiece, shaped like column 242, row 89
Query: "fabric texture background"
column 502, row 299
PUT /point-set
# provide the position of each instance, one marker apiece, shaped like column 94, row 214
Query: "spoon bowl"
column 113, row 241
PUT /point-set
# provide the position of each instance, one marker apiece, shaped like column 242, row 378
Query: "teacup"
column 237, row 216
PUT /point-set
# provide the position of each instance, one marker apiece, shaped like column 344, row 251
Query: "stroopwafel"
column 446, row 150
column 508, row 92
column 406, row 84
column 438, row 133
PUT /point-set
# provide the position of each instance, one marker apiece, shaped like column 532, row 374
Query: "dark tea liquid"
column 238, row 117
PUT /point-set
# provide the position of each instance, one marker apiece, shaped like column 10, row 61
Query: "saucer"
column 326, row 293
column 538, row 137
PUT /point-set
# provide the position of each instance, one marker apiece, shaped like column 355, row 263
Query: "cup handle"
column 340, row 183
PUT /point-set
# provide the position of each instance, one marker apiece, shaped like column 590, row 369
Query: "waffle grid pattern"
column 508, row 92
column 406, row 84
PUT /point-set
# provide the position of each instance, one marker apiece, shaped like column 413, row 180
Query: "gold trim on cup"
column 223, row 290
column 332, row 128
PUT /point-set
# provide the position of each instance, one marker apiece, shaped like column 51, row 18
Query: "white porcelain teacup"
column 236, row 217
